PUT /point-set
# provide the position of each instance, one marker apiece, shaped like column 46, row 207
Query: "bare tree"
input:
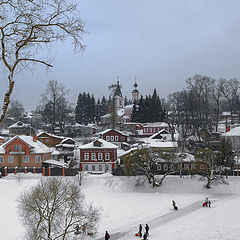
column 53, row 208
column 28, row 26
column 229, row 90
column 55, row 105
column 15, row 109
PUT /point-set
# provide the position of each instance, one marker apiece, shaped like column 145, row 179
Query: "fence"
column 51, row 171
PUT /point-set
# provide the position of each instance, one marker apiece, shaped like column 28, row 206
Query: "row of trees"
column 149, row 109
column 200, row 104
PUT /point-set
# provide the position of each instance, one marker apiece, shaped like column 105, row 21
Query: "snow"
column 124, row 207
column 36, row 146
column 233, row 132
column 104, row 144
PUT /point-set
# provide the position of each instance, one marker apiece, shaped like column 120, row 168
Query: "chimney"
column 34, row 138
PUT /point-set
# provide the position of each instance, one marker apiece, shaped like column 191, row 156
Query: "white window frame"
column 193, row 166
column 172, row 167
column 100, row 156
column 37, row 158
column 86, row 156
column 93, row 156
column 116, row 138
column 165, row 166
column 107, row 156
column 159, row 167
column 11, row 159
column 24, row 159
column 112, row 138
column 107, row 138
column 1, row 159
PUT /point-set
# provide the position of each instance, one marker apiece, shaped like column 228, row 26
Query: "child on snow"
column 107, row 236
column 174, row 205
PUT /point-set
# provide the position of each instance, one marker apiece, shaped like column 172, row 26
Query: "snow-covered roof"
column 155, row 124
column 163, row 132
column 120, row 112
column 233, row 132
column 54, row 162
column 123, row 153
column 125, row 133
column 130, row 106
column 104, row 144
column 49, row 134
column 162, row 144
column 66, row 139
column 36, row 146
column 19, row 124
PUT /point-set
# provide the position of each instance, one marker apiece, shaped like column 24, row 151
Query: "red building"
column 151, row 128
column 23, row 151
column 99, row 156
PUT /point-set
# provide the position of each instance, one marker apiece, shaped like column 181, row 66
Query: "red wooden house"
column 151, row 128
column 23, row 151
column 115, row 136
column 99, row 156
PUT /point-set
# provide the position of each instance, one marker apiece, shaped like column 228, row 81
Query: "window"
column 93, row 156
column 193, row 166
column 11, row 159
column 100, row 156
column 1, row 159
column 165, row 167
column 100, row 167
column 107, row 138
column 37, row 159
column 172, row 167
column 112, row 138
column 159, row 167
column 107, row 167
column 86, row 167
column 25, row 159
column 186, row 166
column 93, row 167
column 47, row 140
column 106, row 156
column 86, row 156
column 116, row 138
column 18, row 147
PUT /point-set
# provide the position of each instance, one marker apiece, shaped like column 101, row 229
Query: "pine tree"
column 135, row 113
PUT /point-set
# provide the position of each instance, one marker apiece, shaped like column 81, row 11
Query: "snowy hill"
column 124, row 207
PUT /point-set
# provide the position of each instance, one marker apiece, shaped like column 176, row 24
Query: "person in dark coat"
column 145, row 236
column 147, row 229
column 174, row 205
column 140, row 230
column 107, row 236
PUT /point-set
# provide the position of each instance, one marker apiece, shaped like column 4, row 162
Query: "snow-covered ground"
column 124, row 207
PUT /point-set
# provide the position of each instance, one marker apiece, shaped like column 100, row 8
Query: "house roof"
column 125, row 133
column 49, row 134
column 19, row 124
column 162, row 132
column 163, row 144
column 155, row 124
column 36, row 146
column 57, row 163
column 105, row 144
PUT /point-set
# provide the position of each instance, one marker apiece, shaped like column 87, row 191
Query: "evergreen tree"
column 104, row 106
column 135, row 113
column 98, row 110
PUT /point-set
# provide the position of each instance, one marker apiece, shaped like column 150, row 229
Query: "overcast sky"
column 160, row 42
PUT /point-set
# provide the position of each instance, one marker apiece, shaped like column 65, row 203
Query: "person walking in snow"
column 145, row 236
column 174, row 205
column 147, row 229
column 107, row 236
column 140, row 230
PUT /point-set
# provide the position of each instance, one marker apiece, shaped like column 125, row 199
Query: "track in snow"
column 166, row 218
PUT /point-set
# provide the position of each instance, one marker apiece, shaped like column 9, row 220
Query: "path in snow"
column 166, row 218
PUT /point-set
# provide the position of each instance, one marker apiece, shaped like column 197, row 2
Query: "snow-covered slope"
column 124, row 207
